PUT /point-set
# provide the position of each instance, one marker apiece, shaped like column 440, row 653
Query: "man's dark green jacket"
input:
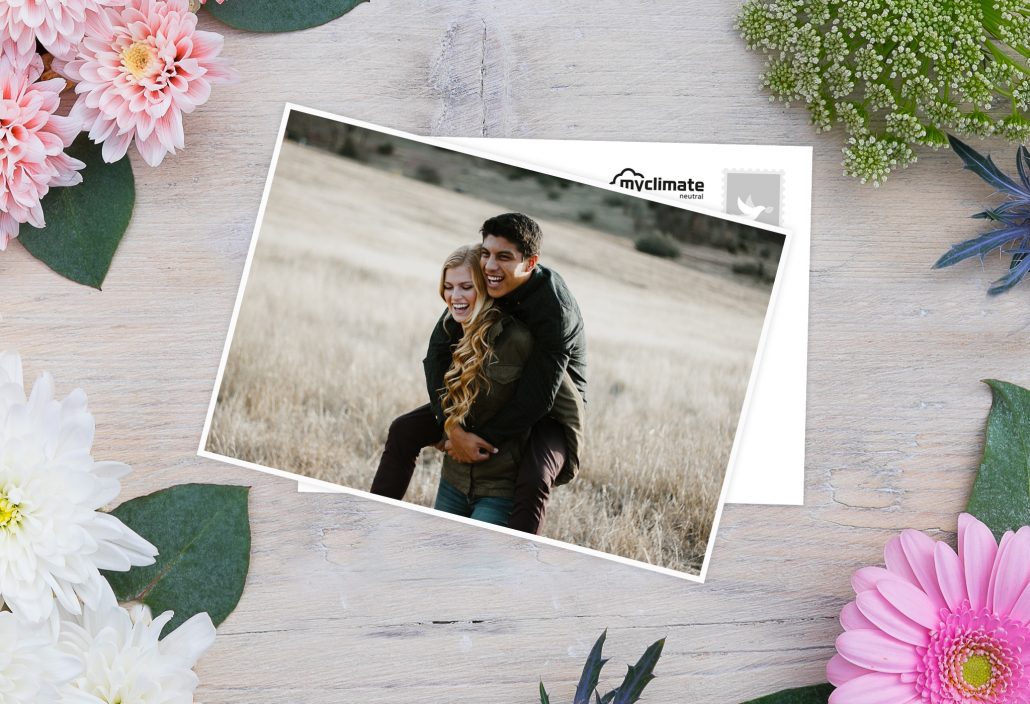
column 546, row 306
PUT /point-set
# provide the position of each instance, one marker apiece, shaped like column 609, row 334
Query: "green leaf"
column 813, row 694
column 202, row 532
column 591, row 672
column 544, row 699
column 84, row 223
column 279, row 16
column 639, row 675
column 1001, row 493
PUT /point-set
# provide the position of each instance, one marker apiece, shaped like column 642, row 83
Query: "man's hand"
column 467, row 447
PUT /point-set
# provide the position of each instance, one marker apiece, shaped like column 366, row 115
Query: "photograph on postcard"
column 493, row 342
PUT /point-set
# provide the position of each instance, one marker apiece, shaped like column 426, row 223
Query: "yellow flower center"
column 137, row 59
column 10, row 516
column 976, row 671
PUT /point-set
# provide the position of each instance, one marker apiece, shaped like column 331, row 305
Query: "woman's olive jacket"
column 512, row 343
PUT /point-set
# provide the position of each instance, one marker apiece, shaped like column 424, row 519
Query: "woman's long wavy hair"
column 466, row 376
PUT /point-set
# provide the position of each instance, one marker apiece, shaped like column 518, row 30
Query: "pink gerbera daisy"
column 139, row 68
column 32, row 141
column 938, row 627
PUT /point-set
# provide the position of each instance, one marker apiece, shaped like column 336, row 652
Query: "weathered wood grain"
column 354, row 601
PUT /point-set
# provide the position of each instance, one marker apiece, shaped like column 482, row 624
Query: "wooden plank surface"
column 354, row 601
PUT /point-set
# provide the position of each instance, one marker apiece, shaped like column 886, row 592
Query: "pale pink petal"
column 918, row 548
column 839, row 671
column 875, row 688
column 1003, row 547
column 867, row 577
column 875, row 650
column 852, row 619
column 1020, row 611
column 897, row 562
column 910, row 601
column 875, row 607
column 151, row 149
column 950, row 575
column 977, row 550
column 1011, row 574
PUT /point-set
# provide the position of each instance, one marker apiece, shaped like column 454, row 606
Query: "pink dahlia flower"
column 139, row 68
column 939, row 627
column 57, row 24
column 32, row 141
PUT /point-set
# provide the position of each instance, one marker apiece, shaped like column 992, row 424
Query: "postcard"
column 497, row 343
column 768, row 466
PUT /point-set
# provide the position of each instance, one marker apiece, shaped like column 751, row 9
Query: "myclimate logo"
column 633, row 180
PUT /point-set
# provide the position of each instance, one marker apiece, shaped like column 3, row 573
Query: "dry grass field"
column 338, row 310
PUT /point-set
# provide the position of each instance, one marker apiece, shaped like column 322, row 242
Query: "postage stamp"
column 756, row 195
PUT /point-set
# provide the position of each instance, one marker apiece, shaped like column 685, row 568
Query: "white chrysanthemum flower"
column 53, row 540
column 123, row 660
column 32, row 669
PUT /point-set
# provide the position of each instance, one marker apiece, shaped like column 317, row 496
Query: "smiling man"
column 538, row 296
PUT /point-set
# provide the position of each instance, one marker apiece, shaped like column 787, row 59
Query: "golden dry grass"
column 337, row 313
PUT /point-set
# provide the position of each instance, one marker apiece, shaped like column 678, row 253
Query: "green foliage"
column 657, row 245
column 754, row 269
column 202, row 532
column 896, row 75
column 1013, row 217
column 84, row 223
column 629, row 692
column 1001, row 493
column 349, row 149
column 385, row 149
column 586, row 216
column 427, row 174
column 814, row 694
column 276, row 16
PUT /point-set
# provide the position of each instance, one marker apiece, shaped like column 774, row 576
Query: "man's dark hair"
column 521, row 230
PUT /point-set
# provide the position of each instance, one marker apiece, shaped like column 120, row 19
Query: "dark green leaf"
column 608, row 697
column 591, row 672
column 979, row 246
column 985, row 168
column 84, row 223
column 814, row 694
column 202, row 532
column 639, row 675
column 278, row 16
column 544, row 699
column 1001, row 493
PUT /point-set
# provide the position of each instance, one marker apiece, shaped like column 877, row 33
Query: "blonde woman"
column 486, row 364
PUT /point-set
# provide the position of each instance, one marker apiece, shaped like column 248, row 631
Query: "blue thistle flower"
column 1012, row 237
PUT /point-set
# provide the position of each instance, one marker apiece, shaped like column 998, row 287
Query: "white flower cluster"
column 896, row 73
column 63, row 637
